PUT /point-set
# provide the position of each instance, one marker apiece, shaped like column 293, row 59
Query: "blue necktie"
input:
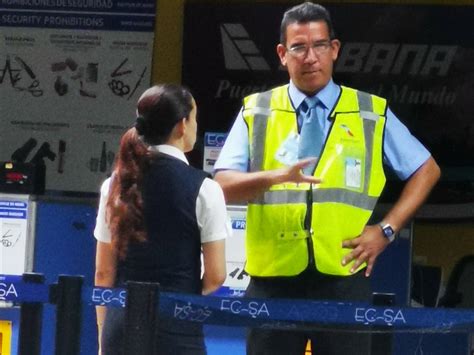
column 311, row 137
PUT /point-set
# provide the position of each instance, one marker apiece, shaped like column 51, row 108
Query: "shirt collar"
column 327, row 95
column 169, row 150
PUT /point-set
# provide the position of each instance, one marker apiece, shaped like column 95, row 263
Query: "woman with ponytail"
column 156, row 216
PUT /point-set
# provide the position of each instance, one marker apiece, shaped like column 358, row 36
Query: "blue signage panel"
column 13, row 209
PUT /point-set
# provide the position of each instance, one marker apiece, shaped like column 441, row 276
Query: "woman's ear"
column 180, row 128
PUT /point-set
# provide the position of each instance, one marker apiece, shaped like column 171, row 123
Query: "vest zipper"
column 307, row 225
column 309, row 204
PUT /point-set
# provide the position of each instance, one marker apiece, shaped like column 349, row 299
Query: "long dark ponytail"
column 124, row 211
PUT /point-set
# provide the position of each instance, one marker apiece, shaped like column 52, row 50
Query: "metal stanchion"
column 31, row 314
column 67, row 297
column 141, row 317
column 381, row 343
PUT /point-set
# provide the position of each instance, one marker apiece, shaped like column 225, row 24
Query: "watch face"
column 388, row 231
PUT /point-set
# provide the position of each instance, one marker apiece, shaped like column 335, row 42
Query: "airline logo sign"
column 240, row 52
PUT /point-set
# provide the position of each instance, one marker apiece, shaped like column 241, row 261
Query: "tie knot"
column 309, row 103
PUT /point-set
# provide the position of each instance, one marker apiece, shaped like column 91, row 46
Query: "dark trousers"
column 173, row 336
column 309, row 285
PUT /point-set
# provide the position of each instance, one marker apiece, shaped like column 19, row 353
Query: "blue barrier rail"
column 265, row 313
column 14, row 289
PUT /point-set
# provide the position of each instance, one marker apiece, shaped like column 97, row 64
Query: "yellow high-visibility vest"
column 278, row 243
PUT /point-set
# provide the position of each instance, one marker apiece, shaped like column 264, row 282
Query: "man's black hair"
column 304, row 13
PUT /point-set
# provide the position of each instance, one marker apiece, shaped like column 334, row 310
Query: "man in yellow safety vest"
column 308, row 158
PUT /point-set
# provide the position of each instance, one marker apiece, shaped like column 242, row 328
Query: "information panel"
column 16, row 240
column 70, row 75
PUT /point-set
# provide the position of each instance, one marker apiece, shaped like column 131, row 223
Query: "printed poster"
column 71, row 72
column 15, row 239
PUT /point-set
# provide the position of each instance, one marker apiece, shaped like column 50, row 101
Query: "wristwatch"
column 387, row 231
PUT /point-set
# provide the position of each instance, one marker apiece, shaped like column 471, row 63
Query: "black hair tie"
column 140, row 125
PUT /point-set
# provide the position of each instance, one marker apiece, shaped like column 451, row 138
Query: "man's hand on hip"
column 365, row 248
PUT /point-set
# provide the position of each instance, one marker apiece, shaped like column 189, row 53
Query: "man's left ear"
column 335, row 45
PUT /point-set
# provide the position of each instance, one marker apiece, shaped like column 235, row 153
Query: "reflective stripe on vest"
column 370, row 118
column 261, row 113
column 352, row 198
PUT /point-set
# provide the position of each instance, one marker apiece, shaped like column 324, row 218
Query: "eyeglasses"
column 301, row 50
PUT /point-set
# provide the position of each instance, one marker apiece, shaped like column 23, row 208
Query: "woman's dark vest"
column 171, row 254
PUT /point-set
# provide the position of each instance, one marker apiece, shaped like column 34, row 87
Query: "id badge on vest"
column 353, row 173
